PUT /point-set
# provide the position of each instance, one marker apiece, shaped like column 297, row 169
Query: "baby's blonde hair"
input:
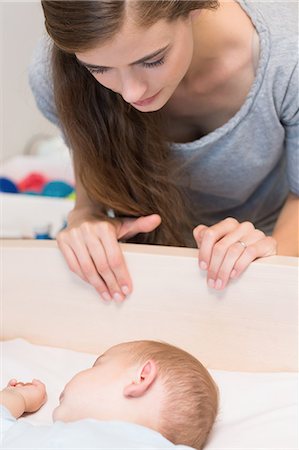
column 191, row 400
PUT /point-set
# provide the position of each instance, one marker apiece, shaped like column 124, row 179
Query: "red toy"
column 34, row 182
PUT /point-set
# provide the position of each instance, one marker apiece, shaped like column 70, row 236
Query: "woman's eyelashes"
column 159, row 62
column 100, row 70
column 148, row 65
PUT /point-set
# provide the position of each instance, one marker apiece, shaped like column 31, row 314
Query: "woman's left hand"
column 227, row 248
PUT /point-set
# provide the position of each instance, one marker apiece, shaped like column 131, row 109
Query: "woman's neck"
column 218, row 36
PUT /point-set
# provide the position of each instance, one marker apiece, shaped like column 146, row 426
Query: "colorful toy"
column 7, row 185
column 32, row 183
column 57, row 189
column 36, row 184
column 72, row 196
column 42, row 232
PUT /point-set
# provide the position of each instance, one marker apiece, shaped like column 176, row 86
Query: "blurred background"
column 36, row 179
column 22, row 25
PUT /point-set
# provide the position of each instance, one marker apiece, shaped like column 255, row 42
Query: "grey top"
column 245, row 168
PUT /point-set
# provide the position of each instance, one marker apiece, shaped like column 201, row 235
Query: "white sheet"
column 257, row 410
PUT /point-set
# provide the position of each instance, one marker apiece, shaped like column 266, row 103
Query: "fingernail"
column 106, row 296
column 117, row 297
column 211, row 283
column 125, row 290
column 203, row 265
column 218, row 284
column 233, row 273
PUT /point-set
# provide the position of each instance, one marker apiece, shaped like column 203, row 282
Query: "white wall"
column 21, row 26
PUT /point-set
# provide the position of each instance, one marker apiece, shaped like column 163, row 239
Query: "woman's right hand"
column 91, row 249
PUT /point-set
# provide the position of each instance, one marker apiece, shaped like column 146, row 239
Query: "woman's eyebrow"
column 145, row 58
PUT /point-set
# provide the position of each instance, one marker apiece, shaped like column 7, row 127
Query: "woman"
column 219, row 80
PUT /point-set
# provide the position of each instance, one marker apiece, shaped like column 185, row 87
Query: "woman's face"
column 143, row 65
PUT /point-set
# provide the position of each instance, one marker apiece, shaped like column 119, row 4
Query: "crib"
column 246, row 335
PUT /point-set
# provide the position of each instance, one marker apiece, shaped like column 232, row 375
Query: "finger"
column 131, row 227
column 220, row 280
column 71, row 260
column 210, row 236
column 117, row 263
column 38, row 383
column 88, row 268
column 222, row 246
column 198, row 233
column 97, row 252
column 42, row 387
column 264, row 247
column 77, row 256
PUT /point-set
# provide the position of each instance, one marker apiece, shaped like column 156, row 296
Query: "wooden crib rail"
column 251, row 326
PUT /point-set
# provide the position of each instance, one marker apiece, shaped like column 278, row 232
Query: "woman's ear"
column 145, row 377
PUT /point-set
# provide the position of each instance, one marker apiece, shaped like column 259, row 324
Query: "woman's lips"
column 146, row 101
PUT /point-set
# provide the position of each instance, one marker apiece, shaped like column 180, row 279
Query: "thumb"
column 145, row 224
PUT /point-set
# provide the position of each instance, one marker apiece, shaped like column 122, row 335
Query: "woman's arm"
column 287, row 228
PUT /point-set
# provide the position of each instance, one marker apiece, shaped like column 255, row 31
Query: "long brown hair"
column 123, row 161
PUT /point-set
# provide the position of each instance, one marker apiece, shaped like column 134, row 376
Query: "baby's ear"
column 145, row 377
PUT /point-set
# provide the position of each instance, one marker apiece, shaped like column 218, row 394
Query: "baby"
column 143, row 385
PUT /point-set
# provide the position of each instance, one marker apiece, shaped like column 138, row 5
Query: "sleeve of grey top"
column 41, row 81
column 290, row 120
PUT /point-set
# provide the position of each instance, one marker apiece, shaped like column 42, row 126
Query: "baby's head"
column 149, row 383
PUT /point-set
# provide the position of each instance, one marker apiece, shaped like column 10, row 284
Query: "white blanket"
column 257, row 410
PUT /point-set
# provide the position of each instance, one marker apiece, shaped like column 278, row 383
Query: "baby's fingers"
column 38, row 384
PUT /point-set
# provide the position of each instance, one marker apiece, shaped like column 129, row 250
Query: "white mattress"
column 257, row 410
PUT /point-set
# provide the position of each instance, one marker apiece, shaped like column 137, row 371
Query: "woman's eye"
column 154, row 63
column 101, row 70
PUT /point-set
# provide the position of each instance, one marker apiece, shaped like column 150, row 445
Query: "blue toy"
column 42, row 232
column 7, row 185
column 57, row 189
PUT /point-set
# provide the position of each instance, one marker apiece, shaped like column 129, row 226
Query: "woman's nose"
column 133, row 89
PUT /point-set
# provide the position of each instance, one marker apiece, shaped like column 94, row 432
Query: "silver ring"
column 242, row 243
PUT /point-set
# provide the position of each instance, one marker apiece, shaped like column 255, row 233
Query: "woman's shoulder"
column 40, row 64
column 277, row 23
column 281, row 21
column 41, row 80
column 277, row 13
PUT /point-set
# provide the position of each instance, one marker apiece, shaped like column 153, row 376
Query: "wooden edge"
column 148, row 249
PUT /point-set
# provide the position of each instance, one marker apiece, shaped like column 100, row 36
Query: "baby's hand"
column 34, row 394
